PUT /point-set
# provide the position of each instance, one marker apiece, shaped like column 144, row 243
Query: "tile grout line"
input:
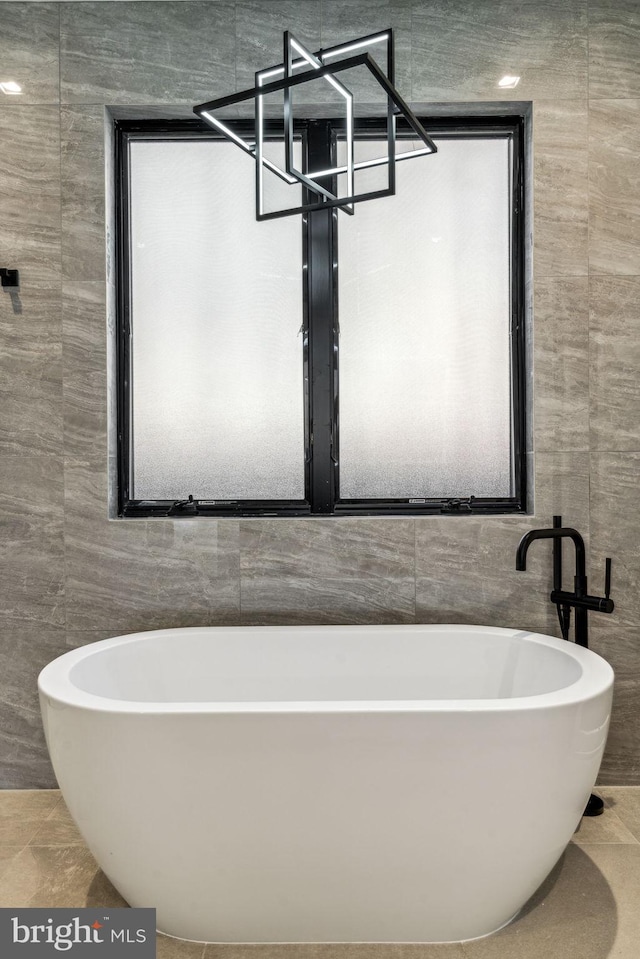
column 617, row 845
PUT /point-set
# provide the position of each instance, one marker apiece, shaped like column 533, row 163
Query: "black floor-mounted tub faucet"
column 579, row 599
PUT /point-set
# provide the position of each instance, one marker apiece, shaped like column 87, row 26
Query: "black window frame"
column 319, row 237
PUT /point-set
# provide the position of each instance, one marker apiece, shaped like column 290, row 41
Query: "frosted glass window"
column 322, row 364
column 217, row 408
column 425, row 318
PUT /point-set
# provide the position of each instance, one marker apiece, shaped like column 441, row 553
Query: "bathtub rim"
column 596, row 677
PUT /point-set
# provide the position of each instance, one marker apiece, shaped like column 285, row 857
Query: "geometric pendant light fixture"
column 334, row 66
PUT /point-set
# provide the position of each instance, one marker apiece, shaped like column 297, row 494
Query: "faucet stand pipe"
column 579, row 599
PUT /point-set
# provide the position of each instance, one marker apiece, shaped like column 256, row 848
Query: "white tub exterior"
column 314, row 784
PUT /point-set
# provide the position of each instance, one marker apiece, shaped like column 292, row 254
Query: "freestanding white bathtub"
column 269, row 784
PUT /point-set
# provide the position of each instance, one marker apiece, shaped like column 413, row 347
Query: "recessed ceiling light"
column 10, row 86
column 509, row 82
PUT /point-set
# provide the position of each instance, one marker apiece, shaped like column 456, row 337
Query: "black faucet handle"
column 607, row 577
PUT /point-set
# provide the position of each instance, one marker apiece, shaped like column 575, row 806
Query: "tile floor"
column 588, row 908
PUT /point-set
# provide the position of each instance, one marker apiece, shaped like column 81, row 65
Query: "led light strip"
column 364, row 164
column 247, row 147
column 228, row 132
column 317, row 64
column 276, row 71
column 259, row 131
column 313, row 61
column 257, row 152
column 348, row 47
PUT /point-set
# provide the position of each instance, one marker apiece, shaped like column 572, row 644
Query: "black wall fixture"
column 9, row 277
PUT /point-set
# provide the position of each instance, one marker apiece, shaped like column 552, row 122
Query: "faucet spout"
column 556, row 532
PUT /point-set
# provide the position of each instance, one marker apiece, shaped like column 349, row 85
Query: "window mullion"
column 322, row 331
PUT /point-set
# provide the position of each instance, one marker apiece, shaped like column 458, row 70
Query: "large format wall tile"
column 561, row 187
column 30, row 49
column 619, row 646
column 615, row 480
column 137, row 574
column 349, row 19
column 562, row 489
column 614, row 41
column 614, row 352
column 327, row 571
column 147, row 52
column 24, row 761
column 30, row 194
column 465, row 568
column 561, row 363
column 31, row 541
column 82, row 135
column 614, row 172
column 260, row 27
column 30, row 331
column 84, row 364
column 461, row 50
column 24, row 758
column 23, row 653
column 465, row 573
column 30, row 159
column 83, row 637
column 30, row 368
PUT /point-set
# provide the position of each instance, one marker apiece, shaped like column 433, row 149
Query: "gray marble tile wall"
column 70, row 575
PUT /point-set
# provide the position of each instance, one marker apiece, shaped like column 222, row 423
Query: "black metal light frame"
column 320, row 329
column 396, row 105
column 312, row 184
